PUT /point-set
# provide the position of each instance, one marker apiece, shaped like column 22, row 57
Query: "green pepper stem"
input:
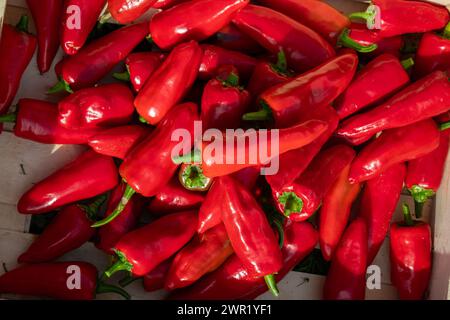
column 105, row 17
column 291, row 203
column 194, row 157
column 128, row 194
column 8, row 118
column 420, row 195
column 149, row 39
column 407, row 215
column 346, row 41
column 407, row 63
column 281, row 62
column 260, row 115
column 142, row 120
column 279, row 226
column 361, row 15
column 122, row 264
column 418, row 209
column 272, row 285
column 92, row 209
column 232, row 80
column 22, row 25
column 444, row 126
column 446, row 33
column 108, row 288
column 122, row 76
column 192, row 178
column 61, row 86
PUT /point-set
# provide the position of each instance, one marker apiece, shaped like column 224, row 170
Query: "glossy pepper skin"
column 210, row 214
column 164, row 4
column 103, row 106
column 304, row 48
column 169, row 83
column 142, row 250
column 378, row 203
column 155, row 280
column 231, row 38
column 47, row 17
column 232, row 280
column 203, row 255
column 73, row 36
column 87, row 176
column 346, row 279
column 170, row 27
column 384, row 76
column 317, row 15
column 118, row 141
column 410, row 253
column 126, row 11
column 300, row 199
column 422, row 100
column 395, row 146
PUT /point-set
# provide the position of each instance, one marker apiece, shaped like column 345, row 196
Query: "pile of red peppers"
column 359, row 120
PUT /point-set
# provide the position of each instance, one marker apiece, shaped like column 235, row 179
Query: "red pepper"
column 304, row 48
column 410, row 257
column 16, row 50
column 384, row 75
column 317, row 15
column 248, row 177
column 47, row 18
column 300, row 199
column 318, row 87
column 210, row 213
column 165, row 4
column 346, row 279
column 231, row 38
column 96, row 60
column 335, row 213
column 203, row 255
column 395, row 146
column 215, row 57
column 38, row 121
column 69, row 230
column 170, row 82
column 233, row 281
column 421, row 100
column 378, row 203
column 102, row 106
column 76, row 29
column 397, row 17
column 424, row 174
column 192, row 20
column 117, row 142
column 51, row 280
column 126, row 11
column 88, row 176
column 142, row 250
column 155, row 280
column 110, row 234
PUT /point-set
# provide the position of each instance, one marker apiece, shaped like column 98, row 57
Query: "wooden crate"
column 23, row 163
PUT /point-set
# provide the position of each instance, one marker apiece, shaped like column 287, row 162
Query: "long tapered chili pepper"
column 335, row 213
column 231, row 38
column 126, row 11
column 410, row 253
column 170, row 27
column 395, row 146
column 300, row 199
column 423, row 99
column 210, row 214
column 378, row 203
column 203, row 255
column 88, row 176
column 78, row 19
column 47, row 18
column 384, row 75
column 233, row 281
column 320, row 86
column 304, row 48
column 70, row 229
column 142, row 250
column 53, row 280
column 155, row 280
column 169, row 83
column 346, row 279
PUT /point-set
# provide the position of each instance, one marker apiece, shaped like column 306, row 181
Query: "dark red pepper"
column 231, row 38
column 155, row 280
column 126, row 11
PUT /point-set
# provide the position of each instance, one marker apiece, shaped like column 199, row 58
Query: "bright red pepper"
column 210, row 213
column 87, row 176
column 142, row 250
column 346, row 279
column 117, row 142
column 165, row 4
column 335, row 213
column 421, row 100
column 300, row 199
column 50, row 280
column 47, row 18
column 384, row 76
column 233, row 281
column 69, row 230
column 76, row 29
column 410, row 252
column 395, row 146
column 126, row 11
column 378, row 203
column 231, row 38
column 304, row 48
column 192, row 20
column 203, row 255
column 155, row 280
column 169, row 83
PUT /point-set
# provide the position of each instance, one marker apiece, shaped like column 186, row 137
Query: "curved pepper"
column 155, row 280
column 231, row 38
column 421, row 100
column 126, row 11
column 395, row 146
column 204, row 18
column 169, row 83
column 346, row 279
column 88, row 176
column 76, row 29
column 50, row 280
